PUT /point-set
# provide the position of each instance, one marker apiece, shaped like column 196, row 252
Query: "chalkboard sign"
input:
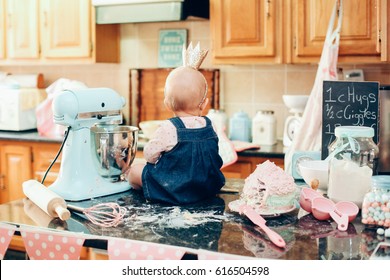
column 347, row 103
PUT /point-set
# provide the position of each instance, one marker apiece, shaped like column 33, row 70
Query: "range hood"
column 134, row 11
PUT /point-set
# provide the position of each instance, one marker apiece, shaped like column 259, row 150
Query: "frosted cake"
column 269, row 190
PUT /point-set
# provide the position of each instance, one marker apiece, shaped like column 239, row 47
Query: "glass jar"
column 376, row 203
column 264, row 128
column 353, row 161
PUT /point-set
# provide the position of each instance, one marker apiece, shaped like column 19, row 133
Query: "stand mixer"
column 296, row 104
column 97, row 150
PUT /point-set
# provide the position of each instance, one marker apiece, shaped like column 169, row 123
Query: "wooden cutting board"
column 147, row 93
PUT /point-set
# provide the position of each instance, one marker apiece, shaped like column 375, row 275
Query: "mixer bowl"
column 113, row 150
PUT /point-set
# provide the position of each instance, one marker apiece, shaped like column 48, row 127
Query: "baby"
column 183, row 163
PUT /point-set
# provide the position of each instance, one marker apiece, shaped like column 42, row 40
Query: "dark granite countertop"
column 276, row 150
column 211, row 226
column 27, row 135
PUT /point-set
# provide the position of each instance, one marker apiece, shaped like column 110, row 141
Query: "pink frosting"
column 268, row 179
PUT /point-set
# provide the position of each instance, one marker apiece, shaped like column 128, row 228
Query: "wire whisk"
column 108, row 214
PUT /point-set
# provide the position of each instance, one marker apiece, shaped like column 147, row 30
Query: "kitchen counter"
column 276, row 151
column 27, row 135
column 210, row 226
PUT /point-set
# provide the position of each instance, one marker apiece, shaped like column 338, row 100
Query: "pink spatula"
column 260, row 221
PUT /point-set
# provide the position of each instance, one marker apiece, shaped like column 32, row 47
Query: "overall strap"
column 177, row 122
column 208, row 121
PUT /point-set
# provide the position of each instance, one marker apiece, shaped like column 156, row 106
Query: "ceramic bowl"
column 149, row 127
column 313, row 170
column 295, row 102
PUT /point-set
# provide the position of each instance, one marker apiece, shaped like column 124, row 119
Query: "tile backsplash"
column 242, row 87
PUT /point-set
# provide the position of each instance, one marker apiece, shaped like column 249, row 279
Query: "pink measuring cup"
column 306, row 197
column 342, row 212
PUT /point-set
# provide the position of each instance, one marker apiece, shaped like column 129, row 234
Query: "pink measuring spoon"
column 342, row 213
column 260, row 221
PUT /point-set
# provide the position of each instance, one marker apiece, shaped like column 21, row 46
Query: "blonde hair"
column 185, row 89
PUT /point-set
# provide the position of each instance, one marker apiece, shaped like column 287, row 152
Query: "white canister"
column 264, row 128
column 219, row 119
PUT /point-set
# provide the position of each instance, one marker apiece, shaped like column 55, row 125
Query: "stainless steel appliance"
column 384, row 130
column 97, row 151
column 133, row 11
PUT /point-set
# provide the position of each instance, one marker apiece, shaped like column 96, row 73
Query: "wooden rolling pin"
column 47, row 200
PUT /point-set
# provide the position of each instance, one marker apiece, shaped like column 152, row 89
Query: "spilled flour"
column 170, row 217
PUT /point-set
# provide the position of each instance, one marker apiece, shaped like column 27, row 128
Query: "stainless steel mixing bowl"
column 113, row 149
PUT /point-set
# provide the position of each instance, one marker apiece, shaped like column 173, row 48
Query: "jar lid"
column 354, row 131
column 381, row 181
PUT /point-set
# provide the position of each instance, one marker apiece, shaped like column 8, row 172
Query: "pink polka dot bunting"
column 6, row 233
column 52, row 245
column 124, row 249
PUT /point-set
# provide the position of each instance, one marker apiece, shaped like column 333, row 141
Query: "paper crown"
column 193, row 57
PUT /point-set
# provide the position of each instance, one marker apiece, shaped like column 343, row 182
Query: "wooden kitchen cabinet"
column 22, row 30
column 244, row 166
column 293, row 31
column 362, row 32
column 52, row 31
column 15, row 168
column 21, row 161
column 247, row 32
column 43, row 157
column 65, row 28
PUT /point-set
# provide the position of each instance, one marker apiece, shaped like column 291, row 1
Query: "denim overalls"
column 190, row 171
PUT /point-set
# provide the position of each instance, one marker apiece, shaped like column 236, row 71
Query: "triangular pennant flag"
column 125, row 249
column 6, row 233
column 51, row 245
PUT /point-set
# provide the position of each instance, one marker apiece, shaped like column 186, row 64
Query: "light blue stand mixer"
column 97, row 151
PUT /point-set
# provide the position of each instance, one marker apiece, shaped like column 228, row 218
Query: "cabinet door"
column 22, row 35
column 2, row 29
column 44, row 155
column 359, row 31
column 15, row 164
column 384, row 31
column 65, row 28
column 244, row 31
column 246, row 165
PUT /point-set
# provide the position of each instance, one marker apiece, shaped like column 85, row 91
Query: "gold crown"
column 193, row 57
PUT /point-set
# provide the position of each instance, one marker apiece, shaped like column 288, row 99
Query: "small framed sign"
column 170, row 47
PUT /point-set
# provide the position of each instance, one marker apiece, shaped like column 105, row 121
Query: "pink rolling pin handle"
column 260, row 221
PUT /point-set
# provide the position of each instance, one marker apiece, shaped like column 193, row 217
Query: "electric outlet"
column 354, row 75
